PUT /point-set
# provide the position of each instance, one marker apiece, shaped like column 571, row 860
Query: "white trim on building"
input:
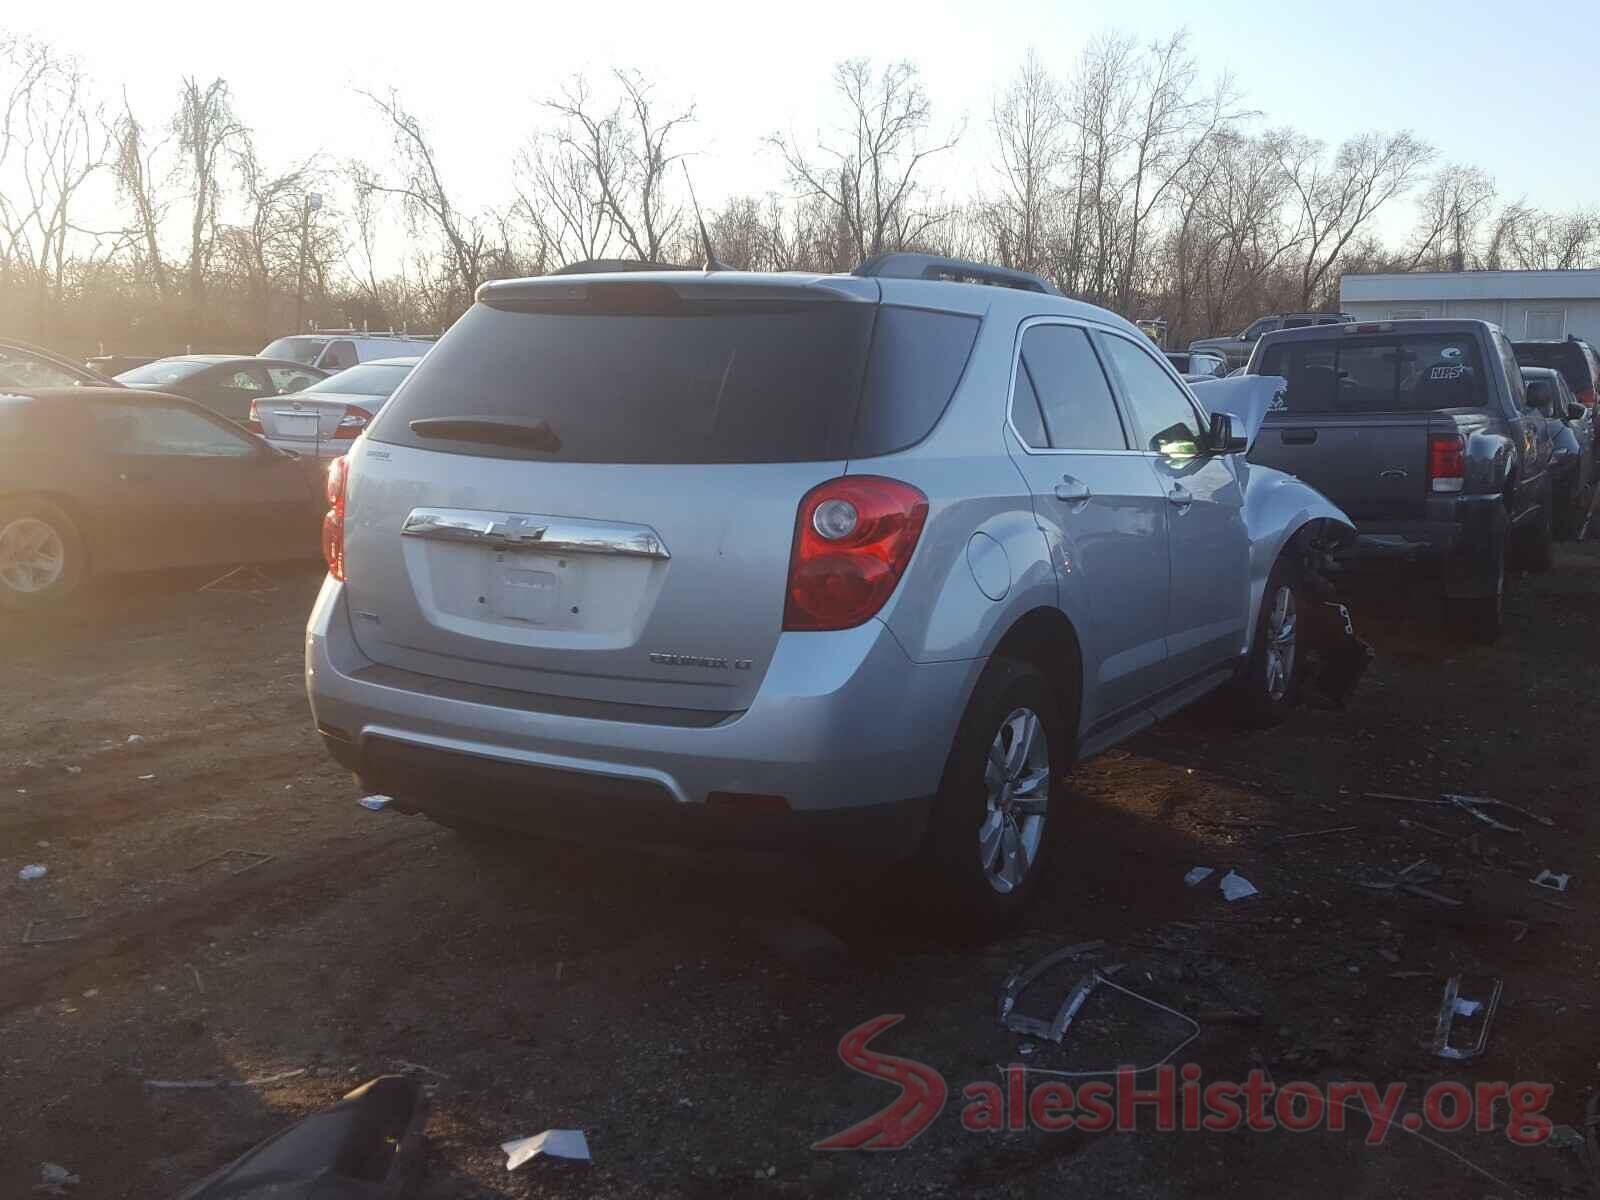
column 1530, row 305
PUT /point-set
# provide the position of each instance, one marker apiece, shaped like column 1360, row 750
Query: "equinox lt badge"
column 697, row 660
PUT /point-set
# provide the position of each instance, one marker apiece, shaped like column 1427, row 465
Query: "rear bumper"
column 848, row 731
column 1466, row 546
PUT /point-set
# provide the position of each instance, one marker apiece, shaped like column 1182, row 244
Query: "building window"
column 1409, row 314
column 1547, row 324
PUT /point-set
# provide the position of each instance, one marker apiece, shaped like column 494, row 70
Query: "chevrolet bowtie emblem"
column 517, row 529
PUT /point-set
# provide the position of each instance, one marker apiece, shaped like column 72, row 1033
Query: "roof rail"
column 606, row 266
column 373, row 333
column 905, row 265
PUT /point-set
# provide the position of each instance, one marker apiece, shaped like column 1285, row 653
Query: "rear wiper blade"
column 495, row 431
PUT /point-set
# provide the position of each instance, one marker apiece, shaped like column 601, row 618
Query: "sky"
column 1481, row 88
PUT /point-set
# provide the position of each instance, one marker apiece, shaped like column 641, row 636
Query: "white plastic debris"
column 33, row 871
column 374, row 803
column 1549, row 879
column 54, row 1175
column 1198, row 875
column 555, row 1143
column 146, row 778
column 1467, row 1008
column 1237, row 887
column 135, row 739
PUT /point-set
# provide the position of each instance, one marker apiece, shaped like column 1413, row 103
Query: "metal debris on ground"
column 1102, row 979
column 1290, row 837
column 1565, row 1137
column 257, row 856
column 1473, row 802
column 553, row 1143
column 200, row 1085
column 1236, row 887
column 1411, row 880
column 28, row 939
column 245, row 578
column 374, row 803
column 1549, row 879
column 33, row 871
column 1453, row 1006
column 53, row 1177
column 1197, row 875
column 1019, row 981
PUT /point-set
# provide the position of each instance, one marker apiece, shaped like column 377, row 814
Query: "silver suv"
column 861, row 561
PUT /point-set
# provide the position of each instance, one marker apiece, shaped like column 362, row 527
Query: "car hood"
column 1246, row 398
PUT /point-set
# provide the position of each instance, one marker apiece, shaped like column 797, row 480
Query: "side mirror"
column 1245, row 336
column 1221, row 438
column 1575, row 412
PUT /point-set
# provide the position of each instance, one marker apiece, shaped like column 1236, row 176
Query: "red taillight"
column 333, row 520
column 253, row 421
column 1586, row 397
column 350, row 425
column 853, row 538
column 1447, row 462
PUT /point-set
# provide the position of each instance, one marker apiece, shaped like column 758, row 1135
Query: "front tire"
column 1270, row 685
column 42, row 558
column 998, row 812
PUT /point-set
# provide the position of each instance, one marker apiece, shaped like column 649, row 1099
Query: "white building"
column 1526, row 304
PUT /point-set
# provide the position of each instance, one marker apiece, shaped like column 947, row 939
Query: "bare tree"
column 427, row 204
column 139, row 183
column 206, row 129
column 607, row 172
column 563, row 199
column 869, row 175
column 1449, row 212
column 1030, row 131
column 1337, row 200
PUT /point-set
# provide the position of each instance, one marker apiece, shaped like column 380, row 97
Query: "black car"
column 26, row 366
column 225, row 383
column 103, row 480
column 1574, row 358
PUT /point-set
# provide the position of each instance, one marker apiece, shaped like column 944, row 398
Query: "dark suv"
column 1236, row 349
column 1574, row 358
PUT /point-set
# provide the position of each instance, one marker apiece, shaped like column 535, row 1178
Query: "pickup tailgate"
column 1374, row 466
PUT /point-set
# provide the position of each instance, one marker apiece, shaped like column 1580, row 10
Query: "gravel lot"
column 686, row 1013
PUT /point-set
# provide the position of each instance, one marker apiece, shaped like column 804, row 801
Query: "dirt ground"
column 686, row 1013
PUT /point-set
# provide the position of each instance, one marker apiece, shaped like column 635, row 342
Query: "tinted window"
column 1328, row 321
column 295, row 349
column 1296, row 322
column 291, row 379
column 1418, row 372
column 916, row 362
column 1566, row 357
column 1025, row 411
column 338, row 356
column 642, row 374
column 1542, row 393
column 242, row 379
column 1074, row 397
column 1167, row 420
column 1265, row 325
column 148, row 429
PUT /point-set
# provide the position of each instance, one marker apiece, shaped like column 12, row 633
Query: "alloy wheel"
column 1016, row 777
column 32, row 556
column 1281, row 635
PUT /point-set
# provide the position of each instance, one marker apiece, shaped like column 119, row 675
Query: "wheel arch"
column 1047, row 638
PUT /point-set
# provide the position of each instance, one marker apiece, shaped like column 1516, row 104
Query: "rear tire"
column 1269, row 688
column 1534, row 553
column 42, row 556
column 998, row 812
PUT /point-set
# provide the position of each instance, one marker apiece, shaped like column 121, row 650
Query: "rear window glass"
column 1415, row 373
column 1566, row 357
column 648, row 376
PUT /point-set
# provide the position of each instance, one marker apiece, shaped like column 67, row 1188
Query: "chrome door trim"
column 525, row 531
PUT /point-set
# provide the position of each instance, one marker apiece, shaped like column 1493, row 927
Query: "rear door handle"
column 1299, row 437
column 1180, row 496
column 1073, row 491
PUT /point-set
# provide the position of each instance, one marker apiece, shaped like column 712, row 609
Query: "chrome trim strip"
column 523, row 531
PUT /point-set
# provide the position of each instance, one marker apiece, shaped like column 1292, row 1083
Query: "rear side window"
column 1566, row 357
column 1415, row 373
column 916, row 362
column 1070, row 386
column 642, row 375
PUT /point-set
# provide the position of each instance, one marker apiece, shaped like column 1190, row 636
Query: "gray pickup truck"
column 1422, row 432
column 1235, row 348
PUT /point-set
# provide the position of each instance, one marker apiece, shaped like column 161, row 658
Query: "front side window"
column 1265, row 325
column 1070, row 390
column 338, row 356
column 295, row 349
column 159, row 430
column 1167, row 419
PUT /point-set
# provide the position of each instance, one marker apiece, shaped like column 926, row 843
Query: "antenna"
column 705, row 238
